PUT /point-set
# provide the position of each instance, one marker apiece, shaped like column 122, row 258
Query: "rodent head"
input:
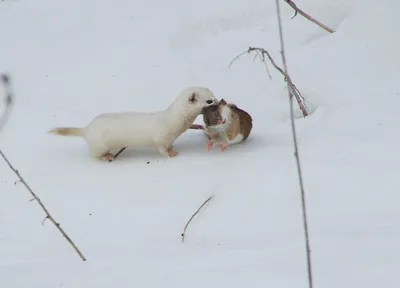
column 222, row 102
column 212, row 115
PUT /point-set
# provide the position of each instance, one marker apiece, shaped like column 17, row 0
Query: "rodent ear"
column 222, row 101
column 193, row 97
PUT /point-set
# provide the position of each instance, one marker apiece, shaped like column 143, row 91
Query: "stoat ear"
column 222, row 102
column 193, row 97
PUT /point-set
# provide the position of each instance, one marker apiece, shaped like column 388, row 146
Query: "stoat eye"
column 209, row 101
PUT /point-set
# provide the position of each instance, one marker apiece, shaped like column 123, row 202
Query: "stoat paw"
column 172, row 152
column 108, row 156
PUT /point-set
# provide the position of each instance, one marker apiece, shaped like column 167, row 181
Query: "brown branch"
column 247, row 51
column 296, row 153
column 262, row 53
column 259, row 54
column 48, row 215
column 307, row 16
column 187, row 224
column 116, row 155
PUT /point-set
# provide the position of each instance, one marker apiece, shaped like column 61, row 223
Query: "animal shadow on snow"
column 194, row 143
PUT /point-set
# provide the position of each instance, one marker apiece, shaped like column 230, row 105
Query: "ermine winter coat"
column 138, row 129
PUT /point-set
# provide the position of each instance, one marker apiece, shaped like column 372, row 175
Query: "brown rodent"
column 225, row 124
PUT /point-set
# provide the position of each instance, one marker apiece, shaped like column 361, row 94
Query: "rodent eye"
column 209, row 101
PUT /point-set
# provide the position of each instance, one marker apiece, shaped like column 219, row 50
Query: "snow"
column 71, row 60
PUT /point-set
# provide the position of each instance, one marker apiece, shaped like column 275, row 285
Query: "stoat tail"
column 67, row 131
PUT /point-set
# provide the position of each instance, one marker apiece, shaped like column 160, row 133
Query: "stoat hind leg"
column 108, row 156
column 101, row 152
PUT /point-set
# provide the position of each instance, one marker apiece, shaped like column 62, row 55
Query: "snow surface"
column 71, row 60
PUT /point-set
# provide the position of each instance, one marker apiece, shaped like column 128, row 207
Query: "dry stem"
column 119, row 152
column 48, row 215
column 296, row 154
column 187, row 224
column 261, row 52
column 307, row 16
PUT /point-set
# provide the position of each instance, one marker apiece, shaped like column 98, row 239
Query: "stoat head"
column 192, row 100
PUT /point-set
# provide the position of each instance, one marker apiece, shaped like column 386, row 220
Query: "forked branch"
column 307, row 16
column 262, row 53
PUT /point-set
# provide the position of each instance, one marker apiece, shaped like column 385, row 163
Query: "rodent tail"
column 196, row 127
column 67, row 131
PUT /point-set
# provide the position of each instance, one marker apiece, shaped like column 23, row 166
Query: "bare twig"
column 116, row 155
column 262, row 53
column 296, row 154
column 48, row 215
column 187, row 224
column 307, row 16
column 119, row 152
column 8, row 100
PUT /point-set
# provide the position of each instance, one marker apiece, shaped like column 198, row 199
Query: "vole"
column 225, row 124
column 138, row 129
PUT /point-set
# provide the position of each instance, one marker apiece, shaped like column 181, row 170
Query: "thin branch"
column 265, row 63
column 8, row 99
column 246, row 52
column 190, row 220
column 116, row 155
column 237, row 58
column 48, row 215
column 307, row 16
column 296, row 154
column 264, row 53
